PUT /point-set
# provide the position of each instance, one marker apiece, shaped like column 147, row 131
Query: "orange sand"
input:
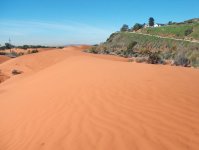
column 3, row 58
column 70, row 100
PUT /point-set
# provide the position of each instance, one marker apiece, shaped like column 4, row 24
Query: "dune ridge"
column 81, row 101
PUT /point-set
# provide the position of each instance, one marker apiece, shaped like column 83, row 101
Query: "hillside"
column 184, row 30
column 129, row 44
column 122, row 40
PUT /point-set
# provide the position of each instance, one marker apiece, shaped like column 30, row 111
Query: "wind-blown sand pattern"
column 70, row 100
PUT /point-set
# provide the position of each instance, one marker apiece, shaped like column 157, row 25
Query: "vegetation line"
column 165, row 37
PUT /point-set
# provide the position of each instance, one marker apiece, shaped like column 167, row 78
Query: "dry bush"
column 16, row 72
column 141, row 59
column 181, row 59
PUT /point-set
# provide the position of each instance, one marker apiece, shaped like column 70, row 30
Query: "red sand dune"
column 3, row 58
column 70, row 100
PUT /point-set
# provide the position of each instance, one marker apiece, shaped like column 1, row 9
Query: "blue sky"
column 62, row 22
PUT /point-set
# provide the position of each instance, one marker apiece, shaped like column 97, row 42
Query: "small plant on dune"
column 16, row 72
column 34, row 51
column 93, row 50
column 141, row 59
column 60, row 47
column 20, row 53
column 29, row 52
column 104, row 50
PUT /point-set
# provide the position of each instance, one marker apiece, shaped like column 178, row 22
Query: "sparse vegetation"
column 25, row 47
column 181, row 59
column 61, row 47
column 16, row 72
column 93, row 50
column 188, row 31
column 194, row 58
column 152, row 49
column 130, row 49
column 154, row 58
column 141, row 59
column 34, row 51
column 2, row 53
column 180, row 31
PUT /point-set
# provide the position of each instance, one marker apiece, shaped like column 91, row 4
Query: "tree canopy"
column 137, row 26
column 124, row 28
column 151, row 21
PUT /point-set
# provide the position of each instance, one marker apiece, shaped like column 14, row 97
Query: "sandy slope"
column 3, row 58
column 2, row 76
column 81, row 102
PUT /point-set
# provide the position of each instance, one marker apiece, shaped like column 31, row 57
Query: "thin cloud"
column 66, row 26
column 53, row 32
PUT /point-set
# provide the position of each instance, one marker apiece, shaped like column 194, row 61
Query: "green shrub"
column 194, row 59
column 168, row 55
column 9, row 46
column 34, row 51
column 154, row 58
column 181, row 59
column 93, row 50
column 141, row 59
column 131, row 45
column 129, row 51
column 188, row 32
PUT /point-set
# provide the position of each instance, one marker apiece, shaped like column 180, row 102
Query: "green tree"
column 124, row 28
column 25, row 47
column 137, row 26
column 170, row 23
column 8, row 46
column 151, row 21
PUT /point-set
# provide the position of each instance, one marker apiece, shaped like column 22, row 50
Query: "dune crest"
column 67, row 99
